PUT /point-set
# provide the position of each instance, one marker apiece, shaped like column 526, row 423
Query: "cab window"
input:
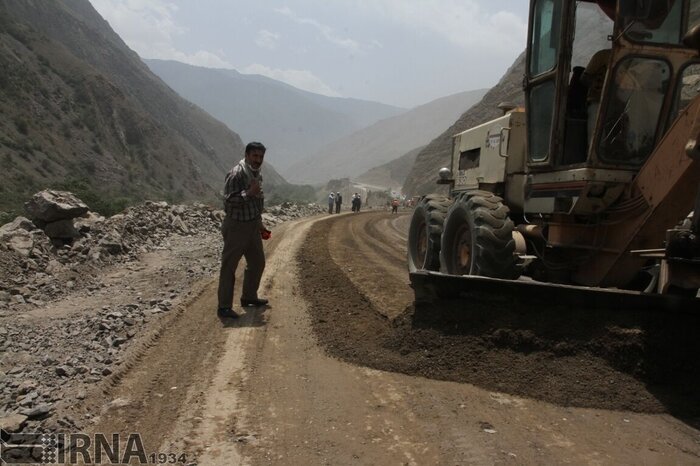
column 630, row 120
column 540, row 115
column 657, row 22
column 545, row 36
column 688, row 88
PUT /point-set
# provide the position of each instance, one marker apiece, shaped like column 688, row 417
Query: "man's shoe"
column 226, row 313
column 254, row 302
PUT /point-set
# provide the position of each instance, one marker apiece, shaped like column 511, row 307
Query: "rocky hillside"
column 263, row 109
column 80, row 110
column 382, row 142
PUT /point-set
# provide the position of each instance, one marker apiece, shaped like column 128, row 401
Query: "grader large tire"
column 425, row 231
column 478, row 238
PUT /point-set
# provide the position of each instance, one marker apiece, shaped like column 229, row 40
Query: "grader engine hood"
column 488, row 153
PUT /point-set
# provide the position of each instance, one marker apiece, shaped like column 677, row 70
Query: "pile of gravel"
column 39, row 372
column 63, row 244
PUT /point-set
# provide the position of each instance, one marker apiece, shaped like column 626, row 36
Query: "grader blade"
column 432, row 286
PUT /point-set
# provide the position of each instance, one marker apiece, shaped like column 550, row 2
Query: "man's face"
column 255, row 158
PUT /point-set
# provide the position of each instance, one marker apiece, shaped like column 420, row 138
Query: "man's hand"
column 254, row 190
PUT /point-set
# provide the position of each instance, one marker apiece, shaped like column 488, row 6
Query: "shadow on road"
column 248, row 317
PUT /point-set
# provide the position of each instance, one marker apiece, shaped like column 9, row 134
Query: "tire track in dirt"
column 147, row 397
column 379, row 273
column 292, row 404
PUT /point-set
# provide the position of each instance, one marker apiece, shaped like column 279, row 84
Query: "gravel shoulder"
column 60, row 353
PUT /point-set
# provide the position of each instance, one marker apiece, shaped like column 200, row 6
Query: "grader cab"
column 594, row 186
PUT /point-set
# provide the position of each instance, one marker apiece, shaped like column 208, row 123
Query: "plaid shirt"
column 237, row 206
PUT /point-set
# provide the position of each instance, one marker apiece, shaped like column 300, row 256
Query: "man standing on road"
column 395, row 206
column 338, row 202
column 242, row 230
column 331, row 202
column 356, row 202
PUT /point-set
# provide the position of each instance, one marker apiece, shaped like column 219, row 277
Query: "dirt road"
column 341, row 369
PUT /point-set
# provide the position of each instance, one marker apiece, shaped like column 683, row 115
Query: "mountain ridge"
column 383, row 141
column 267, row 110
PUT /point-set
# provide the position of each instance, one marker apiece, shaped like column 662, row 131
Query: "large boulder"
column 61, row 229
column 112, row 243
column 21, row 242
column 20, row 235
column 50, row 206
column 19, row 223
column 26, row 243
column 88, row 222
column 13, row 422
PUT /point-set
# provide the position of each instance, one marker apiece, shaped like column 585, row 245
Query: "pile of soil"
column 562, row 355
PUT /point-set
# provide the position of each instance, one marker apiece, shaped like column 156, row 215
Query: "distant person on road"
column 331, row 202
column 356, row 202
column 242, row 230
column 338, row 202
column 395, row 206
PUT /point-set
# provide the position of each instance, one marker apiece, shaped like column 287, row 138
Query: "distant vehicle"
column 413, row 201
column 533, row 194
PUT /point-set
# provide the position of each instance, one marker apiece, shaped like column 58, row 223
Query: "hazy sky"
column 400, row 52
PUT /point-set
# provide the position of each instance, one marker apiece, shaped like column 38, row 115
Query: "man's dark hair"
column 254, row 146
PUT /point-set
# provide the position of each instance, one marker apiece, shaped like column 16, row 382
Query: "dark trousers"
column 241, row 239
column 337, row 208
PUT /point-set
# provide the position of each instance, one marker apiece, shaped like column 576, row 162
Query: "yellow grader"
column 592, row 190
